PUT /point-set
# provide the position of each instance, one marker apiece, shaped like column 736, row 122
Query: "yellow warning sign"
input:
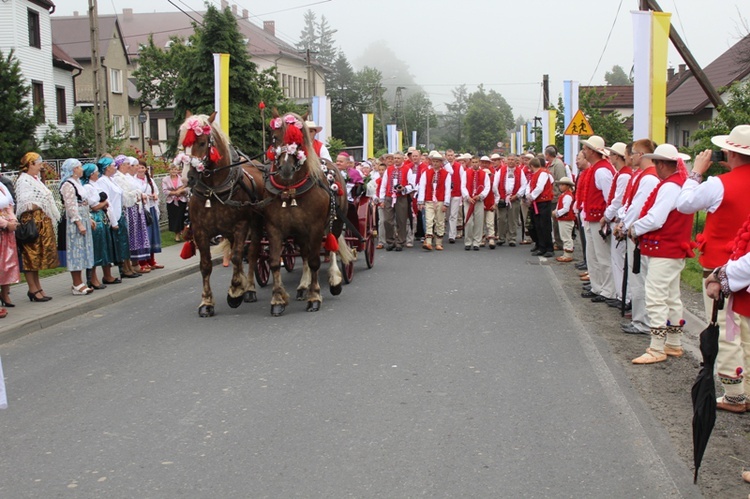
column 579, row 125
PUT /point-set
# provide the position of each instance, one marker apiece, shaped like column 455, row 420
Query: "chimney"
column 244, row 13
column 270, row 27
column 670, row 73
column 224, row 4
column 127, row 14
column 234, row 10
column 75, row 13
column 682, row 68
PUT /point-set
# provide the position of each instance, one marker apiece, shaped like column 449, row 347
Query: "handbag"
column 149, row 218
column 27, row 232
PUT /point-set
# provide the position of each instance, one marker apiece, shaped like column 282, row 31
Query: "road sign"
column 579, row 125
column 142, row 117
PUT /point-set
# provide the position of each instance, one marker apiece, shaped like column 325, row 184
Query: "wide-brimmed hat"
column 596, row 143
column 566, row 181
column 464, row 156
column 496, row 156
column 313, row 127
column 738, row 140
column 617, row 148
column 667, row 152
column 485, row 158
column 435, row 155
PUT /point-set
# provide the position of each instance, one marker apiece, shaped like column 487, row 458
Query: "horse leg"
column 250, row 295
column 239, row 281
column 335, row 279
column 280, row 298
column 206, row 308
column 304, row 282
column 314, row 298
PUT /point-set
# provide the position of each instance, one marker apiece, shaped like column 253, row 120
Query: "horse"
column 302, row 205
column 227, row 193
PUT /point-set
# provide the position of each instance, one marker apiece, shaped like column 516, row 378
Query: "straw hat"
column 596, row 143
column 737, row 141
column 667, row 152
column 566, row 181
column 485, row 158
column 496, row 156
column 435, row 155
column 313, row 127
column 617, row 148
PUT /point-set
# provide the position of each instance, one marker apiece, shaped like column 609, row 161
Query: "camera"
column 102, row 197
column 399, row 187
column 718, row 156
column 604, row 233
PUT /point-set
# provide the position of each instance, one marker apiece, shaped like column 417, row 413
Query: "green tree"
column 19, row 118
column 617, row 76
column 159, row 72
column 195, row 89
column 485, row 121
column 368, row 84
column 326, row 49
column 80, row 142
column 454, row 119
column 419, row 116
column 610, row 125
column 345, row 105
column 308, row 38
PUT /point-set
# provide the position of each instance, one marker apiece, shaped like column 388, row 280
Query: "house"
column 72, row 35
column 50, row 72
column 687, row 103
column 617, row 97
column 299, row 80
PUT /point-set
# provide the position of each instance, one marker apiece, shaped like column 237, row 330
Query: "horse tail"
column 345, row 252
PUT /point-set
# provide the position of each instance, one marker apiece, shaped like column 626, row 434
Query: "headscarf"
column 66, row 171
column 103, row 163
column 119, row 160
column 133, row 161
column 28, row 158
column 88, row 170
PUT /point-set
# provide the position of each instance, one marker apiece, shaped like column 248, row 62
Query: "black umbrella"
column 704, row 390
column 624, row 290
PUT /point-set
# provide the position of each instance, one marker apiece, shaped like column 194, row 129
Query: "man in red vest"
column 539, row 199
column 508, row 181
column 398, row 182
column 593, row 199
column 454, row 217
column 664, row 235
column 726, row 200
column 435, row 197
column 485, row 163
column 475, row 186
column 320, row 148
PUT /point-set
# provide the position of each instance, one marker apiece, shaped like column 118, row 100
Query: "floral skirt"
column 154, row 234
column 104, row 244
column 9, row 270
column 140, row 248
column 79, row 248
column 42, row 253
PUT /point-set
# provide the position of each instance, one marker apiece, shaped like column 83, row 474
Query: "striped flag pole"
column 368, row 135
column 221, row 90
column 570, row 103
column 650, row 50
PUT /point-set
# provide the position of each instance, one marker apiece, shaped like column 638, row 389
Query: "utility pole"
column 310, row 81
column 545, row 91
column 687, row 56
column 96, row 65
column 399, row 108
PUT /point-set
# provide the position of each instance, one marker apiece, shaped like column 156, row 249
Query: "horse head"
column 291, row 149
column 205, row 145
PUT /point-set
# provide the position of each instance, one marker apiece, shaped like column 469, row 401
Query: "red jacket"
column 595, row 204
column 570, row 215
column 547, row 192
column 516, row 181
column 672, row 240
column 456, row 180
column 428, row 187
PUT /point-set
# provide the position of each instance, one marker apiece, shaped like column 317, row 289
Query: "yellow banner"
column 659, row 51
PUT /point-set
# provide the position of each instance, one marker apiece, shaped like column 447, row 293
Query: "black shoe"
column 537, row 253
column 582, row 266
column 452, row 241
column 475, row 248
column 588, row 294
column 500, row 243
column 535, row 248
column 614, row 302
column 467, row 248
column 628, row 307
column 512, row 244
column 399, row 248
column 548, row 254
column 101, row 286
column 7, row 303
column 390, row 247
column 598, row 299
column 631, row 329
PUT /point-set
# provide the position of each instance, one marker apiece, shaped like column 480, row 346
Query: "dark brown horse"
column 301, row 206
column 226, row 200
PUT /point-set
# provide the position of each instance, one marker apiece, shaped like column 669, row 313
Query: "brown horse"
column 301, row 206
column 226, row 200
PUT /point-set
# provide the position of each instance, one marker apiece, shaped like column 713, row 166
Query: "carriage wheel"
column 288, row 256
column 262, row 271
column 347, row 271
column 370, row 251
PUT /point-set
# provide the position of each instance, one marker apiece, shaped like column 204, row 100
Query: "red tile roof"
column 61, row 58
column 689, row 97
column 72, row 35
column 621, row 95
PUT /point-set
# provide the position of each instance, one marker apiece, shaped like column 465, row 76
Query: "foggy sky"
column 507, row 46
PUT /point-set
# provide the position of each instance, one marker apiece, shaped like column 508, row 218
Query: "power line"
column 606, row 43
column 180, row 9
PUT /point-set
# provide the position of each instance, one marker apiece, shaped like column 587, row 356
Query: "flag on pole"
column 414, row 138
column 513, row 143
column 570, row 103
column 368, row 135
column 400, row 140
column 320, row 114
column 549, row 122
column 221, row 90
column 530, row 132
column 519, row 141
column 650, row 49
column 392, row 138
column 524, row 136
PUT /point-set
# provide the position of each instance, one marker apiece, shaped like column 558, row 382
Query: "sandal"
column 100, row 286
column 117, row 280
column 81, row 290
column 144, row 269
column 650, row 357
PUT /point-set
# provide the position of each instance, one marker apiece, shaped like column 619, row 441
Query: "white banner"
column 570, row 102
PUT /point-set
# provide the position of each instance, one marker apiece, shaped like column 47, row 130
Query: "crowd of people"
column 631, row 206
column 108, row 218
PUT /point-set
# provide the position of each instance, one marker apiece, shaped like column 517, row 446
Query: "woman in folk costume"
column 150, row 204
column 132, row 198
column 664, row 237
column 475, row 185
column 35, row 201
column 117, row 218
column 101, row 233
column 79, row 247
column 9, row 269
column 435, row 197
column 176, row 192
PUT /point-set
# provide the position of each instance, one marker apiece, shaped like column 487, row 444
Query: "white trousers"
column 455, row 219
column 598, row 260
column 474, row 226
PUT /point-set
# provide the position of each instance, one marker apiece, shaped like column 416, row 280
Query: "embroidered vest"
column 740, row 247
column 594, row 204
column 625, row 170
column 672, row 240
column 516, row 181
column 570, row 215
column 475, row 181
column 547, row 192
column 435, row 184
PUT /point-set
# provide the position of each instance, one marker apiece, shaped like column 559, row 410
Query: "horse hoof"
column 277, row 310
column 313, row 306
column 206, row 310
column 250, row 297
column 300, row 295
column 335, row 290
column 234, row 302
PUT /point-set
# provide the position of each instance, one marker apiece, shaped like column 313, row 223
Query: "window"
column 135, row 127
column 685, row 138
column 115, row 81
column 171, row 132
column 62, row 111
column 37, row 96
column 153, row 127
column 294, row 87
column 35, row 37
column 284, row 86
column 118, row 126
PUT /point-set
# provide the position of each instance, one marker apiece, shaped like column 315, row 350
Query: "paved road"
column 454, row 374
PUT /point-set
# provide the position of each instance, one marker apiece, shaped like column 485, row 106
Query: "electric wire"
column 606, row 43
